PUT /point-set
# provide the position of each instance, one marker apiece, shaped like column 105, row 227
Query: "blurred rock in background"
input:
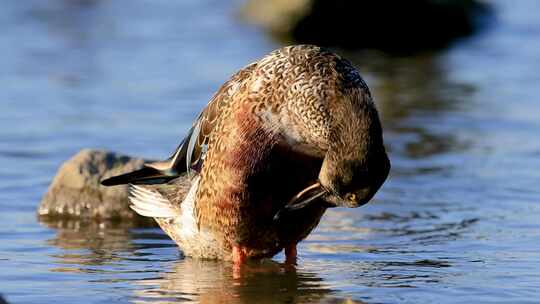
column 76, row 191
column 392, row 26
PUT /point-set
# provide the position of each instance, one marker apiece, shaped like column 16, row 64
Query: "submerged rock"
column 76, row 190
column 394, row 26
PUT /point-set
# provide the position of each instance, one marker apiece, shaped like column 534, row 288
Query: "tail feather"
column 145, row 176
column 150, row 203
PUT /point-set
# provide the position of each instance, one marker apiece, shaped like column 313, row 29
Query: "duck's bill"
column 303, row 199
column 306, row 196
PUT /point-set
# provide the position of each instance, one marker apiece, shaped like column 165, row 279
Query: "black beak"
column 302, row 199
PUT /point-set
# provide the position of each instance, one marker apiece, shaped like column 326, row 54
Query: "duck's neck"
column 356, row 129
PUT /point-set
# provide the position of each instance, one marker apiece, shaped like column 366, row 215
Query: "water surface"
column 457, row 222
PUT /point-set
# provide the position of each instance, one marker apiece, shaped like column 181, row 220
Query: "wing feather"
column 189, row 155
column 150, row 203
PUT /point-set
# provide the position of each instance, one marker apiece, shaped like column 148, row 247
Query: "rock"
column 76, row 191
column 393, row 26
column 278, row 16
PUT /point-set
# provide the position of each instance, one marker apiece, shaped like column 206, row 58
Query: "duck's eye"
column 351, row 197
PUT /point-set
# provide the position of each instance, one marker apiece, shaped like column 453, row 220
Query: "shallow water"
column 458, row 220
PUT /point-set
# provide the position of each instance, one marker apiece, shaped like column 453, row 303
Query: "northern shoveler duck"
column 281, row 141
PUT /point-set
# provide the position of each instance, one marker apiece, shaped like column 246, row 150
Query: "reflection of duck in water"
column 282, row 140
column 206, row 281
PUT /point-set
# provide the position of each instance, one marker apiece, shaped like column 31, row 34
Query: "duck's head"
column 350, row 181
column 355, row 164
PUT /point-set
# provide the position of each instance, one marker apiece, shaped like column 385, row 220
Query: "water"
column 457, row 222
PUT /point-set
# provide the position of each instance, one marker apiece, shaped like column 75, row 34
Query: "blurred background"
column 457, row 86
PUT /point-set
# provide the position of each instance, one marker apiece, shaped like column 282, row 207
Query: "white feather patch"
column 191, row 145
column 150, row 203
column 187, row 217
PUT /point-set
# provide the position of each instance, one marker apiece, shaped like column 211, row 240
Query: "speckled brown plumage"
column 298, row 116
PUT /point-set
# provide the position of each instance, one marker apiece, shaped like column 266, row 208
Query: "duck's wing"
column 189, row 155
column 162, row 201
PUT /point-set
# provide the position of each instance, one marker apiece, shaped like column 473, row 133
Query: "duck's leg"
column 290, row 254
column 238, row 258
column 238, row 255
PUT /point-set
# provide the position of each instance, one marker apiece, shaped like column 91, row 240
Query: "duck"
column 281, row 141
